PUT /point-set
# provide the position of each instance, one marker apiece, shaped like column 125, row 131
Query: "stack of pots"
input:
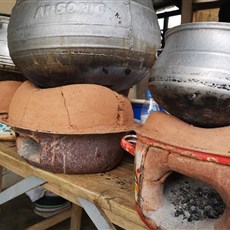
column 10, row 79
column 78, row 58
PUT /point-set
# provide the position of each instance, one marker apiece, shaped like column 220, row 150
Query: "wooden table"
column 106, row 197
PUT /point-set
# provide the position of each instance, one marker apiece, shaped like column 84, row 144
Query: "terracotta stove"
column 201, row 157
column 70, row 129
column 7, row 90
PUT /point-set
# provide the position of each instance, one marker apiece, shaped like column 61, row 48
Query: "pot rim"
column 4, row 19
column 99, row 130
column 198, row 26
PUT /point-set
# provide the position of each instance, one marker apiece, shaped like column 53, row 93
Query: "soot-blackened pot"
column 110, row 43
column 191, row 77
column 89, row 153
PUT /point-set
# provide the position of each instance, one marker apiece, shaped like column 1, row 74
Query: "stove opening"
column 191, row 199
column 188, row 204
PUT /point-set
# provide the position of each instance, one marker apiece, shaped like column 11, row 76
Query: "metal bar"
column 169, row 14
column 20, row 188
column 96, row 215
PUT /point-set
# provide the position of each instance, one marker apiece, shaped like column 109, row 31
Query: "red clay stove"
column 165, row 144
column 70, row 129
column 7, row 90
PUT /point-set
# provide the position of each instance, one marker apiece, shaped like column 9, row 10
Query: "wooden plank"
column 186, row 14
column 1, row 175
column 111, row 191
column 123, row 221
column 206, row 15
column 51, row 221
column 6, row 6
column 76, row 217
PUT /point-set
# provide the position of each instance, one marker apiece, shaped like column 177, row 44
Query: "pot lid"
column 169, row 130
column 70, row 109
column 7, row 90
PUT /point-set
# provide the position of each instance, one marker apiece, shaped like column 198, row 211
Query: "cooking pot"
column 71, row 154
column 111, row 43
column 8, row 71
column 70, row 129
column 191, row 77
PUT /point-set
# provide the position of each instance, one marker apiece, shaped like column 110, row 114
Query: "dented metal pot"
column 111, row 43
column 191, row 78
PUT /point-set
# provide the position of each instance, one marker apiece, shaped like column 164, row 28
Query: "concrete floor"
column 18, row 214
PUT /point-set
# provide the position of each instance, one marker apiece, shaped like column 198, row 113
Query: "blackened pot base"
column 71, row 154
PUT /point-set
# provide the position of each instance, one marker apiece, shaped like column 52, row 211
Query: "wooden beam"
column 51, row 221
column 186, row 12
column 76, row 217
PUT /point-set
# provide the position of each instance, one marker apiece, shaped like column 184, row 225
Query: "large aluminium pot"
column 191, row 78
column 107, row 42
column 8, row 71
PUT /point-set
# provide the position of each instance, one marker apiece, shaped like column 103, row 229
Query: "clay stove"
column 70, row 129
column 7, row 90
column 165, row 145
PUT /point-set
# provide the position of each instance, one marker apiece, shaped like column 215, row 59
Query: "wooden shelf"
column 111, row 191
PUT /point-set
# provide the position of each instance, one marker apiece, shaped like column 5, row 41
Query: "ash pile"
column 188, row 204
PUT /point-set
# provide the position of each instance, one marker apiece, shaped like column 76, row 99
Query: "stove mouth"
column 188, row 204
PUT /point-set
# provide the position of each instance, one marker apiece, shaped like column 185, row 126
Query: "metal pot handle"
column 158, row 52
column 128, row 143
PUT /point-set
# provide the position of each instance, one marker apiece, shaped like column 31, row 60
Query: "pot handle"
column 158, row 52
column 128, row 143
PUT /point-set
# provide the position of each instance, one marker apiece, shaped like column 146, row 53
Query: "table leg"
column 97, row 215
column 76, row 217
column 1, row 174
column 20, row 188
column 1, row 179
